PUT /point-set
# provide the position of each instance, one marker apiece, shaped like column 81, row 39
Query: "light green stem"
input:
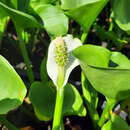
column 109, row 106
column 57, row 121
column 61, row 75
column 25, row 55
column 83, row 37
column 58, row 109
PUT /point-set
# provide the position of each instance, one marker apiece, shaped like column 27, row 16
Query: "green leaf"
column 12, row 88
column 91, row 98
column 121, row 60
column 11, row 3
column 23, row 20
column 71, row 4
column 83, row 11
column 121, row 13
column 89, row 93
column 116, row 123
column 42, row 97
column 39, row 2
column 112, row 82
column 55, row 22
column 93, row 55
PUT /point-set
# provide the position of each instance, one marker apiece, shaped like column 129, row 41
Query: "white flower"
column 62, row 58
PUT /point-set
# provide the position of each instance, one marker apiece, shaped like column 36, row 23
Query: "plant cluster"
column 69, row 24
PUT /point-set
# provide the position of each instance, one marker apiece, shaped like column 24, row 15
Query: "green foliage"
column 42, row 96
column 12, row 88
column 103, row 71
column 96, row 56
column 121, row 14
column 55, row 22
column 113, row 82
column 19, row 18
column 40, row 2
column 23, row 5
column 84, row 12
column 91, row 98
column 116, row 123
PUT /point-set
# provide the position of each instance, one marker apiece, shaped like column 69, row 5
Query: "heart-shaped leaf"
column 83, row 11
column 55, row 22
column 113, row 82
column 93, row 55
column 12, row 88
column 42, row 96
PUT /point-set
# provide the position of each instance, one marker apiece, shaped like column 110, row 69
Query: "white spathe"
column 52, row 66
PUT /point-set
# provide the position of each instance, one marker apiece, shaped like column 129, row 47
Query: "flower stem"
column 57, row 122
column 61, row 75
column 109, row 106
column 58, row 109
column 25, row 55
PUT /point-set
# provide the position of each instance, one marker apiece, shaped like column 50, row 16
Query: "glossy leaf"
column 83, row 11
column 42, row 96
column 71, row 4
column 112, row 82
column 23, row 20
column 93, row 55
column 121, row 13
column 55, row 22
column 12, row 88
column 121, row 60
column 116, row 123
